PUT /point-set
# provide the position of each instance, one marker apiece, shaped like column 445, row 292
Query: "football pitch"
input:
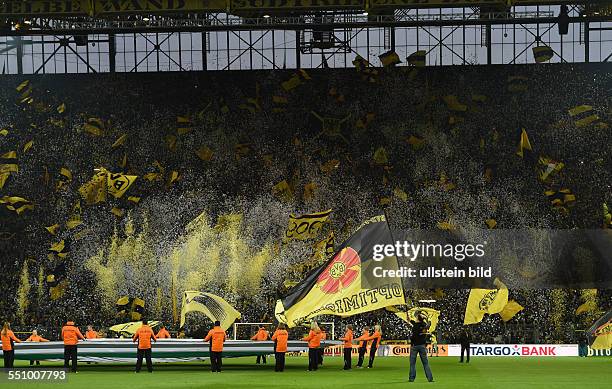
column 483, row 372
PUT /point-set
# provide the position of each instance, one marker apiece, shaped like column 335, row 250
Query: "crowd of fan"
column 286, row 141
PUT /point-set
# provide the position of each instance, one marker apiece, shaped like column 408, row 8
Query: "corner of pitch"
column 401, row 272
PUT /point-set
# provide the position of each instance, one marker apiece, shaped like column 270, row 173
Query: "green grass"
column 481, row 373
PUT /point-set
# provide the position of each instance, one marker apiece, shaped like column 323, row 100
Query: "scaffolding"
column 137, row 42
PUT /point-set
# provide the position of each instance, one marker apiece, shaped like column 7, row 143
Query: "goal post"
column 246, row 330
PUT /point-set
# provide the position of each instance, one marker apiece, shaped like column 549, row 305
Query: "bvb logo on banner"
column 119, row 183
column 341, row 272
column 487, row 300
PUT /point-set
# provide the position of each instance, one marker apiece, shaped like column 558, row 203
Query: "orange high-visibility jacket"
column 71, row 334
column 281, row 337
column 163, row 334
column 262, row 334
column 6, row 340
column 144, row 335
column 364, row 338
column 36, row 338
column 313, row 339
column 216, row 336
column 91, row 334
column 376, row 336
column 348, row 339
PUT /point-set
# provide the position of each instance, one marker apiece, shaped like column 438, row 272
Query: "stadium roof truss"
column 85, row 36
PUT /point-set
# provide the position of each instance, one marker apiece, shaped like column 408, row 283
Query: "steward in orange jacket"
column 216, row 337
column 35, row 338
column 91, row 334
column 163, row 333
column 314, row 341
column 144, row 335
column 8, row 352
column 280, row 338
column 261, row 335
column 348, row 346
column 71, row 336
column 375, row 338
column 363, row 346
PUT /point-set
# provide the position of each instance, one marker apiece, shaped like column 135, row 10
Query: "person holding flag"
column 348, row 346
column 314, row 341
column 216, row 337
column 375, row 338
column 280, row 338
column 261, row 335
column 418, row 340
column 71, row 336
column 8, row 351
column 35, row 338
column 163, row 333
column 144, row 335
column 363, row 346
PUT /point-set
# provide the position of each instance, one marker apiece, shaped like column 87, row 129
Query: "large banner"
column 517, row 350
column 288, row 5
column 44, row 7
column 151, row 6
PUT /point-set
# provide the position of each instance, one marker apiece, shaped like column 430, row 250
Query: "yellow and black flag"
column 390, row 58
column 118, row 183
column 133, row 308
column 338, row 287
column 214, row 307
column 483, row 301
column 585, row 115
column 543, row 53
column 431, row 314
column 8, row 165
column 600, row 333
column 306, row 226
column 417, row 58
column 517, row 84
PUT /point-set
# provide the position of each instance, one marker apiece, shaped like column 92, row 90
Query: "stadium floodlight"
column 427, row 301
column 266, row 16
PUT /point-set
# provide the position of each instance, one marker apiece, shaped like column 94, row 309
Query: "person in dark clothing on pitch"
column 418, row 340
column 465, row 339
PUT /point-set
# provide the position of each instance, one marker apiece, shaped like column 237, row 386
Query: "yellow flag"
column 524, row 144
column 205, row 153
column 283, row 191
column 94, row 191
column 510, row 310
column 53, row 229
column 380, row 156
column 306, row 226
column 431, row 314
column 121, row 140
column 483, row 301
column 28, row 146
column 214, row 307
